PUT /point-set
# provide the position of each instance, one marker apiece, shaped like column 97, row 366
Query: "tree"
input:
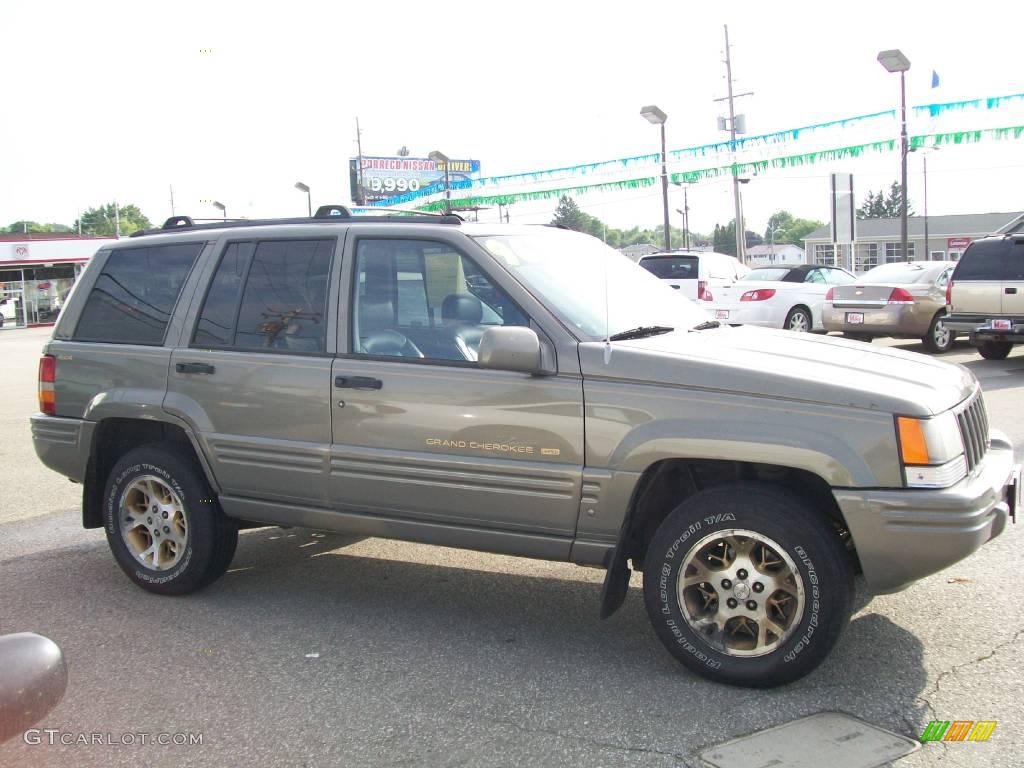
column 569, row 215
column 783, row 228
column 105, row 221
column 21, row 227
column 878, row 205
column 724, row 238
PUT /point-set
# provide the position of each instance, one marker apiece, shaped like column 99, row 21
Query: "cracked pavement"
column 433, row 656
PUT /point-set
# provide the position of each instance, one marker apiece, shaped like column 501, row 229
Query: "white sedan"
column 778, row 297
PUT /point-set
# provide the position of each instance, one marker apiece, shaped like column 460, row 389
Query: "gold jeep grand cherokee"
column 516, row 389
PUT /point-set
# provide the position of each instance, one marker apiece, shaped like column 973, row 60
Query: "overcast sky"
column 108, row 100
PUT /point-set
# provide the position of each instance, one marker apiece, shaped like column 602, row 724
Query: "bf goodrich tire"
column 746, row 585
column 994, row 350
column 164, row 526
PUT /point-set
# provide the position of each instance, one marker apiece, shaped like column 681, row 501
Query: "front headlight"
column 931, row 450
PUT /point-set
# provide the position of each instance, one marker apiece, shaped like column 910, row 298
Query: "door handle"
column 1010, row 290
column 357, row 382
column 676, row 287
column 202, row 368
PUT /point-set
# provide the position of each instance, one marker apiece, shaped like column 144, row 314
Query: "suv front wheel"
column 746, row 585
column 164, row 525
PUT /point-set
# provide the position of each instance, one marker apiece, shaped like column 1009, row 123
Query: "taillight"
column 703, row 294
column 830, row 294
column 899, row 296
column 47, row 377
column 761, row 294
column 949, row 293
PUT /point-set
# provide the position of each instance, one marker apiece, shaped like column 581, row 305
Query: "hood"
column 788, row 366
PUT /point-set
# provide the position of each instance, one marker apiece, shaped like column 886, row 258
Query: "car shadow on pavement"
column 997, row 374
column 301, row 617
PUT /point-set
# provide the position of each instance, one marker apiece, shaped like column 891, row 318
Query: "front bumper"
column 62, row 444
column 903, row 535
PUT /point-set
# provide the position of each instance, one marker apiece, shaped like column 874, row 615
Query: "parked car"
column 902, row 299
column 787, row 297
column 695, row 274
column 509, row 398
column 986, row 295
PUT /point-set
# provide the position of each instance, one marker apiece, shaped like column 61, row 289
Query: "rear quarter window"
column 135, row 294
column 983, row 260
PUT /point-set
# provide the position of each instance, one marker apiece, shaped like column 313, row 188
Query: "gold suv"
column 986, row 295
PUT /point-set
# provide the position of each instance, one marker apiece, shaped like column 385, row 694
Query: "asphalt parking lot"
column 319, row 650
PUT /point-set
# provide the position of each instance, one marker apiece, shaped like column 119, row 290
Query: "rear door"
column 252, row 374
column 978, row 279
column 681, row 271
column 1013, row 283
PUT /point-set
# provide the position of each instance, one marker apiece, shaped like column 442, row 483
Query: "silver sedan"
column 902, row 299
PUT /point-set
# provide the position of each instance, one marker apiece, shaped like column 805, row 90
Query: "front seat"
column 376, row 334
column 462, row 313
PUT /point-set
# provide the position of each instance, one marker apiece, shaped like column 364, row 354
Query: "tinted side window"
column 134, row 295
column 1015, row 262
column 672, row 267
column 216, row 326
column 284, row 304
column 983, row 261
column 270, row 295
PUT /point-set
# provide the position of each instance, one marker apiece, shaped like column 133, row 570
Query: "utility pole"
column 117, row 221
column 172, row 199
column 741, row 239
column 359, row 169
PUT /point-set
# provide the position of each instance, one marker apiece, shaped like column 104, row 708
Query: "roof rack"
column 325, row 214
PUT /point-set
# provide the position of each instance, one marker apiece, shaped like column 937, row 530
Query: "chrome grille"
column 973, row 422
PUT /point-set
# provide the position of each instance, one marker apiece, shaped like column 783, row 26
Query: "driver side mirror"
column 510, row 348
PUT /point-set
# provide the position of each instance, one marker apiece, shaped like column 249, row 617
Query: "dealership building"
column 37, row 272
column 877, row 241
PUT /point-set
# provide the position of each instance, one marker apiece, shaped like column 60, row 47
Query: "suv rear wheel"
column 746, row 585
column 164, row 524
column 994, row 350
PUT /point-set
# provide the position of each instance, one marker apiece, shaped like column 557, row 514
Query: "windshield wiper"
column 641, row 332
column 707, row 325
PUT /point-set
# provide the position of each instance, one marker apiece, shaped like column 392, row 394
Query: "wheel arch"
column 113, row 437
column 667, row 482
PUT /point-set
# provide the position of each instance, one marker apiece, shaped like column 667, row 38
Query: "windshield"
column 768, row 273
column 900, row 272
column 572, row 273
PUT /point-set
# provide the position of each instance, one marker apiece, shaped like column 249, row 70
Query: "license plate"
column 721, row 314
column 855, row 318
column 1001, row 325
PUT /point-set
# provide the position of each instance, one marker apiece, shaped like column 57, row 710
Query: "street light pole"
column 222, row 208
column 309, row 200
column 657, row 117
column 894, row 61
column 927, row 247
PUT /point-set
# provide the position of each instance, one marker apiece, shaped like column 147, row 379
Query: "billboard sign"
column 844, row 218
column 385, row 177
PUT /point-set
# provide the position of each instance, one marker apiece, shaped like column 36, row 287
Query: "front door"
column 252, row 377
column 421, row 432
